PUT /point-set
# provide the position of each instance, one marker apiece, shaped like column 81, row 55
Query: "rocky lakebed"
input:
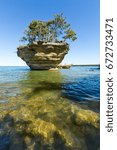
column 39, row 117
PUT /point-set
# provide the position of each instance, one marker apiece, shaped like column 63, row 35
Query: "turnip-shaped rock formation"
column 46, row 43
column 44, row 56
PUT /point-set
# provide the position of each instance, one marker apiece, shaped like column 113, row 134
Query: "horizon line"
column 62, row 64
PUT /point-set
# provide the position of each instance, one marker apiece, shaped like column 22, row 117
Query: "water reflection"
column 44, row 84
column 79, row 85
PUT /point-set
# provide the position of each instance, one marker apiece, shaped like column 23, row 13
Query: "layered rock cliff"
column 43, row 56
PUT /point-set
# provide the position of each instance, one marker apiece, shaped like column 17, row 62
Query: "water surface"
column 57, row 110
column 79, row 83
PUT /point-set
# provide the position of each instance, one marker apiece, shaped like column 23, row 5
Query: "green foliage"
column 70, row 34
column 51, row 31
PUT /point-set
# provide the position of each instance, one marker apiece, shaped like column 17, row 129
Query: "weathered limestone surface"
column 43, row 55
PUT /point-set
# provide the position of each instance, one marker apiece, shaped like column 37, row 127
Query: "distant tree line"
column 51, row 31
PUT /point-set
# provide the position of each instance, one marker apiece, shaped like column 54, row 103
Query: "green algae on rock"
column 88, row 117
column 54, row 124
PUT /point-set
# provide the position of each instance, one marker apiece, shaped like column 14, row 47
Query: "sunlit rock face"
column 43, row 56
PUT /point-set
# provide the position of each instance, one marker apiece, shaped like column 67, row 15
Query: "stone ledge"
column 43, row 56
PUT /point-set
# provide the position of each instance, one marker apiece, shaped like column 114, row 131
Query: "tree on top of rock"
column 51, row 31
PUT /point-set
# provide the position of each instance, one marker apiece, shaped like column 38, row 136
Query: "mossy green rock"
column 50, row 124
column 87, row 117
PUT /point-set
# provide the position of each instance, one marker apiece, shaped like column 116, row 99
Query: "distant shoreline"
column 87, row 65
column 62, row 65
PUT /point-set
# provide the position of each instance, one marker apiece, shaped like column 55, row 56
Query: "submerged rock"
column 55, row 124
column 43, row 56
column 87, row 117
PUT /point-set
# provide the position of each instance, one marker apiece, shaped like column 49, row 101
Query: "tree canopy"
column 50, row 31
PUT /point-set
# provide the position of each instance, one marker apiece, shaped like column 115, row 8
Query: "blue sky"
column 83, row 15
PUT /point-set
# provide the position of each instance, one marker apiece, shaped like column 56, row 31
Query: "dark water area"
column 82, row 83
column 49, row 110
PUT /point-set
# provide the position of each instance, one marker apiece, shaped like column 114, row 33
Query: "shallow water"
column 66, row 102
column 79, row 83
